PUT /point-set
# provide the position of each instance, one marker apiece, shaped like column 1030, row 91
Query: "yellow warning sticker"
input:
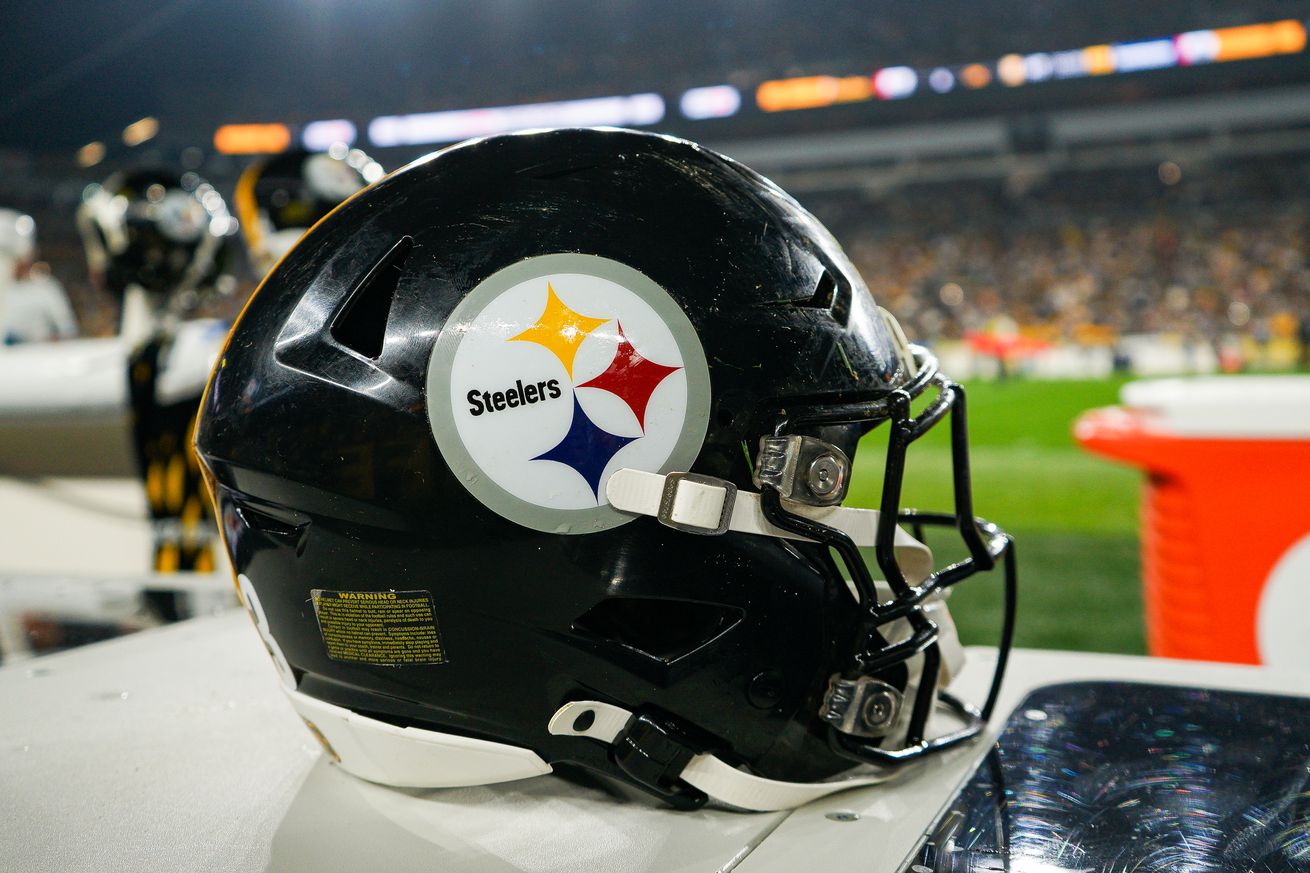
column 390, row 628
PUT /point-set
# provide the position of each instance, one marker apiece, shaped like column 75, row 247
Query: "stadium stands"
column 1204, row 253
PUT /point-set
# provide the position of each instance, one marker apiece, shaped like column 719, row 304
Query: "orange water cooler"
column 1225, row 512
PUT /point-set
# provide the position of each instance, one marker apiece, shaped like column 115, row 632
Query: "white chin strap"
column 700, row 504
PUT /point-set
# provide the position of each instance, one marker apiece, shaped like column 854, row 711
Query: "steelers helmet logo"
column 555, row 372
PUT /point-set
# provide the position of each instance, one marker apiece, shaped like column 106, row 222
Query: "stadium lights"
column 976, row 76
column 252, row 139
column 1197, row 47
column 1011, row 70
column 1069, row 64
column 895, row 83
column 142, row 130
column 451, row 126
column 1150, row 54
column 1039, row 66
column 714, row 101
column 319, row 136
column 1246, row 42
column 811, row 92
column 1098, row 60
column 941, row 80
column 1260, row 40
column 91, row 154
column 1243, row 43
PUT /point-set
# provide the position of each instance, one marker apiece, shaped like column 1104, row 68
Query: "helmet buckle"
column 803, row 469
column 654, row 752
column 697, row 504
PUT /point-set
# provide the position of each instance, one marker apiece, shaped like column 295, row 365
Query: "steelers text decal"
column 555, row 372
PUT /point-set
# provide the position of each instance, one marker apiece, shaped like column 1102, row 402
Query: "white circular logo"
column 557, row 371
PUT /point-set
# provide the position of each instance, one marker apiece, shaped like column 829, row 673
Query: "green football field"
column 1073, row 516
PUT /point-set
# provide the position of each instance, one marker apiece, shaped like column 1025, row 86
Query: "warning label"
column 391, row 628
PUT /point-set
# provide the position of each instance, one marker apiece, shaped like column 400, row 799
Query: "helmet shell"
column 328, row 475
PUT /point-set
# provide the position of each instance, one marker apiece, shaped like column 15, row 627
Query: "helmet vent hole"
column 664, row 630
column 824, row 292
column 361, row 324
column 832, row 295
column 584, row 721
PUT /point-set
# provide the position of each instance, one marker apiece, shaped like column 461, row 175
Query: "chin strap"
column 705, row 505
column 718, row 780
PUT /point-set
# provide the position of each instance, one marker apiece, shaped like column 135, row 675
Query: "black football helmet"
column 280, row 197
column 158, row 230
column 535, row 453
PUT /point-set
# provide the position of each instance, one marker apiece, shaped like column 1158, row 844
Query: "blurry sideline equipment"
column 33, row 305
column 65, row 407
column 280, row 197
column 1225, row 519
column 157, row 239
column 1005, row 345
column 163, row 421
column 553, row 431
column 71, row 507
column 49, row 612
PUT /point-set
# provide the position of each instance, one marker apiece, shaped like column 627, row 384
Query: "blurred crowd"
column 1202, row 253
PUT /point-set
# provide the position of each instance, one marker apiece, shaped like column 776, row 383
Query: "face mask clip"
column 803, row 469
column 862, row 707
